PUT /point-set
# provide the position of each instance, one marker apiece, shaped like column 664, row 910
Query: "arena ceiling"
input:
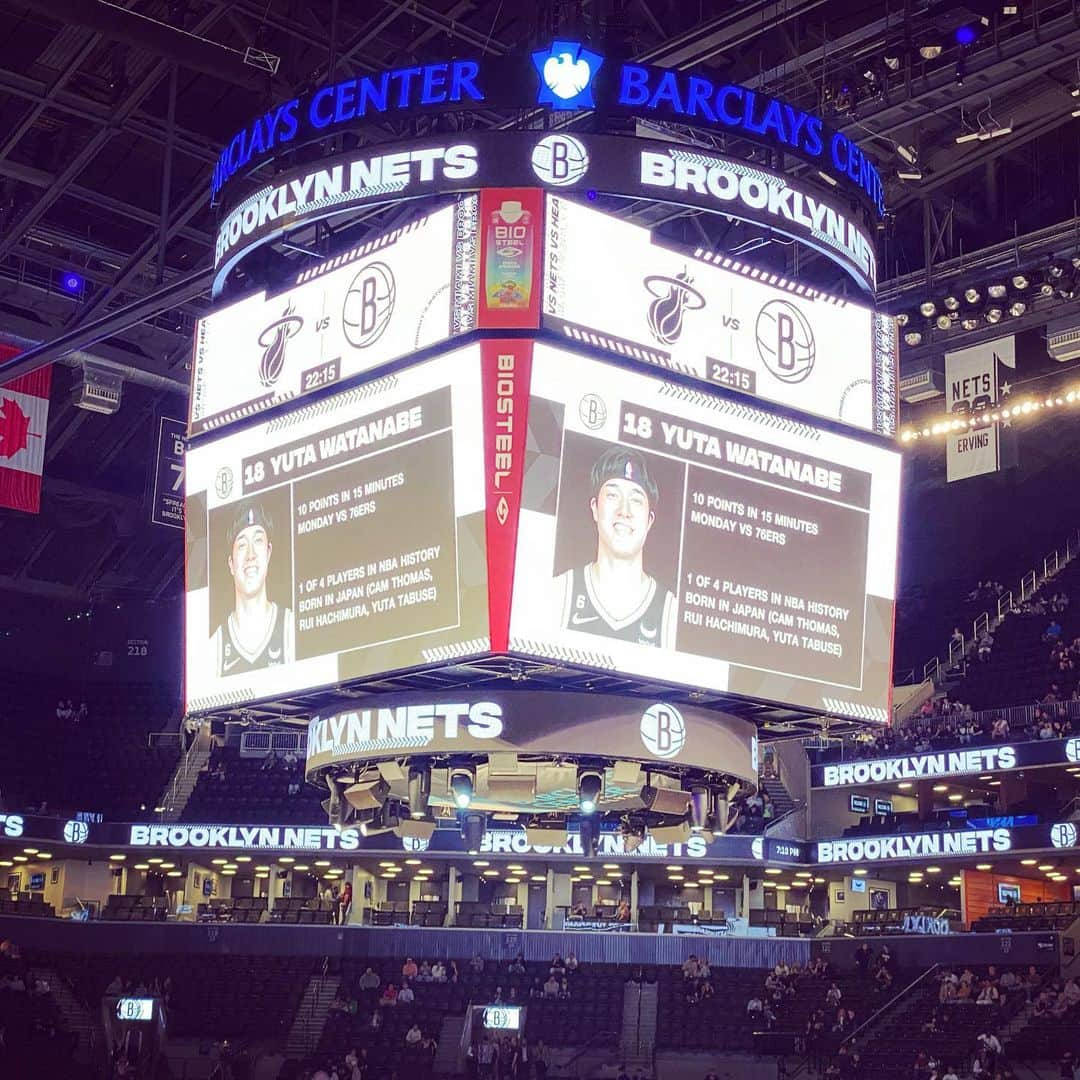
column 113, row 113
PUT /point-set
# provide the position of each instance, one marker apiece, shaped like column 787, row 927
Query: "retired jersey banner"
column 168, row 504
column 24, row 417
column 976, row 379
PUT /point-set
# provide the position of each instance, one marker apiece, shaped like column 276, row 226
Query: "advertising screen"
column 407, row 290
column 135, row 1009
column 502, row 1017
column 607, row 282
column 670, row 534
column 343, row 539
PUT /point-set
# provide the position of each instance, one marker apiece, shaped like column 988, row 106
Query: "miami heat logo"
column 273, row 340
column 674, row 297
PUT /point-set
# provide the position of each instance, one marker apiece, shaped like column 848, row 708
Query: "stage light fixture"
column 913, row 337
column 903, row 319
column 993, row 313
column 1017, row 308
column 927, row 308
column 590, row 836
column 419, row 792
column 909, row 172
column 699, row 808
column 462, row 783
column 908, row 153
column 972, row 294
column 967, row 34
column 72, row 283
column 1020, row 280
column 931, row 49
column 969, row 322
column 590, row 787
column 473, row 827
column 943, row 322
column 996, row 290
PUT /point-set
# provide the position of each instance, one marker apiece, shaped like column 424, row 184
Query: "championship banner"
column 977, row 379
column 24, row 419
column 168, row 503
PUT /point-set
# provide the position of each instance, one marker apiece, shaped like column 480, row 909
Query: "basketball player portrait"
column 258, row 632
column 613, row 595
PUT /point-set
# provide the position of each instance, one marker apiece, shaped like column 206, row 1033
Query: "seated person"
column 552, row 986
column 413, row 1037
column 406, row 995
column 389, row 995
column 517, row 965
column 368, row 981
column 571, row 961
column 409, row 969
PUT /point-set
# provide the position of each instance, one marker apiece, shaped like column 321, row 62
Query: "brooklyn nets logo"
column 369, row 303
column 1063, row 835
column 1072, row 751
column 663, row 730
column 785, row 341
column 674, row 297
column 560, row 160
column 76, row 832
column 273, row 340
column 592, row 411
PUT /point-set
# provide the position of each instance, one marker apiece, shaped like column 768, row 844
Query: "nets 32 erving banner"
column 978, row 379
column 345, row 538
column 671, row 534
column 412, row 288
column 607, row 282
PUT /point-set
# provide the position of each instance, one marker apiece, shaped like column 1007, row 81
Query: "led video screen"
column 405, row 291
column 340, row 540
column 611, row 284
column 672, row 534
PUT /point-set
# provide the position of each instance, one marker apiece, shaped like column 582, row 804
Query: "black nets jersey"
column 650, row 623
column 277, row 647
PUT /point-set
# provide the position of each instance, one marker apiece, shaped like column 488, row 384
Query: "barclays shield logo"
column 757, row 848
column 567, row 71
column 76, row 832
column 663, row 730
column 1072, row 751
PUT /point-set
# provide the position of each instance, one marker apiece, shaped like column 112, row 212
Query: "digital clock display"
column 732, row 376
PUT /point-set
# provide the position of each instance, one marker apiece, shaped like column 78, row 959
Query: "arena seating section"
column 218, row 997
column 33, row 1042
column 61, row 763
column 1015, row 917
column 251, row 794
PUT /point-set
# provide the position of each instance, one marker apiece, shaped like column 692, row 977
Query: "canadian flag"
column 24, row 417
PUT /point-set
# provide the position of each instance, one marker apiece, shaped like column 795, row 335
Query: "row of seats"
column 398, row 913
column 1048, row 915
column 240, row 909
column 478, row 915
column 136, row 908
column 29, row 905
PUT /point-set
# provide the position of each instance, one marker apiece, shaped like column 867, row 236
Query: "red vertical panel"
column 506, row 367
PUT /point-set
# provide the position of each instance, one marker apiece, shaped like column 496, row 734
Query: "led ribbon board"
column 624, row 167
column 566, row 75
column 532, row 723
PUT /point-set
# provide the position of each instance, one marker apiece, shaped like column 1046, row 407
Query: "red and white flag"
column 24, row 417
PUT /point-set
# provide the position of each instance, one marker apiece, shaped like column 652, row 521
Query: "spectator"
column 571, row 961
column 1052, row 634
column 389, row 995
column 957, row 639
column 369, row 980
column 833, row 996
column 413, row 1037
column 438, row 972
column 409, row 969
column 541, row 1058
column 622, row 912
column 690, row 967
column 517, row 965
column 477, row 964
column 1000, row 728
column 754, row 1007
column 345, row 903
column 862, row 959
column 424, row 974
column 405, row 994
column 986, row 644
column 552, row 986
column 558, row 968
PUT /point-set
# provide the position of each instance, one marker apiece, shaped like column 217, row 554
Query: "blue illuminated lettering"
column 433, row 90
column 667, row 90
column 374, row 95
column 463, row 75
column 344, row 101
column 634, row 86
column 258, row 142
column 318, row 118
column 405, row 76
column 730, row 116
column 795, row 121
column 839, row 152
column 697, row 98
column 774, row 119
column 238, row 138
column 813, row 136
column 748, row 113
column 288, row 114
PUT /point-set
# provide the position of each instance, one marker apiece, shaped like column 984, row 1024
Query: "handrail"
column 889, row 1004
column 171, row 795
column 1030, row 583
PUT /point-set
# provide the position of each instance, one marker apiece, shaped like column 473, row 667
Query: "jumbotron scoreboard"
column 424, row 500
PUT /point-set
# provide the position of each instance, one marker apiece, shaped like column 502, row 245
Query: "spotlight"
column 972, row 294
column 473, row 827
column 931, row 49
column 1017, row 308
column 943, row 322
column 903, row 319
column 72, row 283
column 993, row 313
column 909, row 172
column 997, row 291
column 367, row 794
column 913, row 337
column 590, row 787
column 590, row 836
column 1045, row 287
column 927, row 308
column 967, row 34
column 385, row 819
column 969, row 322
column 1066, row 289
column 419, row 792
column 907, row 153
column 461, row 786
column 699, row 808
column 1020, row 280
column 951, row 302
